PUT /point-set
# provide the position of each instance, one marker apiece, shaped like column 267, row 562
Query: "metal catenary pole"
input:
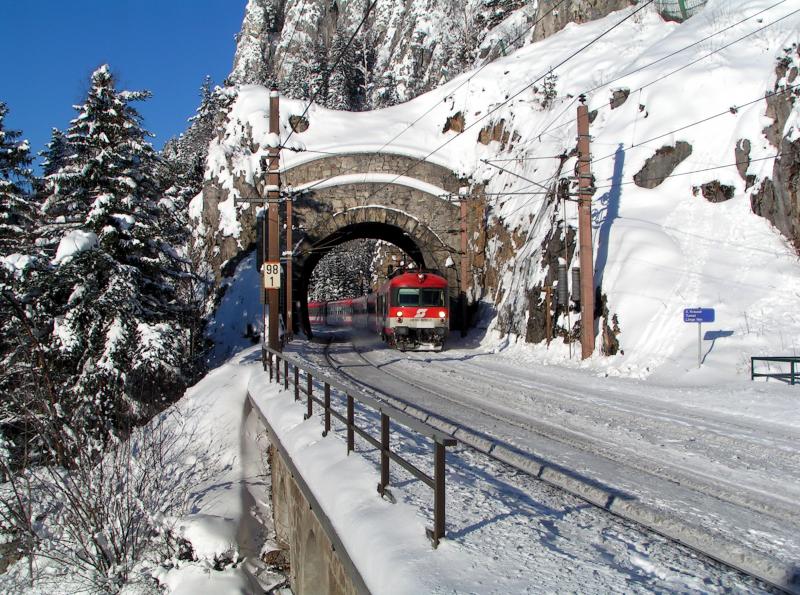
column 289, row 258
column 273, row 229
column 464, row 265
column 585, row 233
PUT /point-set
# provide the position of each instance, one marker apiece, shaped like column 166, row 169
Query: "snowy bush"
column 105, row 521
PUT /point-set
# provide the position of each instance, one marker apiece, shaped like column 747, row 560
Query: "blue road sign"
column 698, row 315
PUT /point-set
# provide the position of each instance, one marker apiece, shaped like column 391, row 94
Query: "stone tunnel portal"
column 311, row 254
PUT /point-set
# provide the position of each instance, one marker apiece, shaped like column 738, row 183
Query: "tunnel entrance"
column 310, row 254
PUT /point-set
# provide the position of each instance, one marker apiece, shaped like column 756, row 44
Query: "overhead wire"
column 516, row 94
column 654, row 62
column 435, row 105
column 691, row 63
column 696, row 171
column 731, row 110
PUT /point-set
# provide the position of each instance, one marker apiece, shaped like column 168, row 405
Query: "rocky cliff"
column 403, row 49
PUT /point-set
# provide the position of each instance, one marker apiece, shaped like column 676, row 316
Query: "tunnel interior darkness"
column 375, row 231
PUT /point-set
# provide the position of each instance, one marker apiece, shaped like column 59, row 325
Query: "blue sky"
column 48, row 49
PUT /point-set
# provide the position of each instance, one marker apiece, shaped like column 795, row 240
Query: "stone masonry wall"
column 315, row 566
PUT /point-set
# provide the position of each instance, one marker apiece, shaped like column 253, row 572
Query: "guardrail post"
column 350, row 417
column 263, row 358
column 752, row 368
column 278, row 369
column 296, row 383
column 309, row 394
column 384, row 454
column 327, row 410
column 269, row 354
column 286, row 374
column 792, row 365
column 438, row 493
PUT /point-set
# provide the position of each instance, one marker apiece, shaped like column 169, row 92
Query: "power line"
column 508, row 171
column 696, row 171
column 515, row 95
column 676, row 52
column 731, row 110
column 661, row 78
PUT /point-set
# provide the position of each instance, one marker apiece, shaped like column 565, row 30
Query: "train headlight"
column 442, row 313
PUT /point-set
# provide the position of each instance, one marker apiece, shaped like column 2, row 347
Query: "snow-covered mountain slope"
column 657, row 250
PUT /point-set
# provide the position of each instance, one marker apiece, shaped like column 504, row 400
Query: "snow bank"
column 238, row 321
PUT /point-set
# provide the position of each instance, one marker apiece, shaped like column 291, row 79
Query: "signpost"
column 272, row 275
column 699, row 315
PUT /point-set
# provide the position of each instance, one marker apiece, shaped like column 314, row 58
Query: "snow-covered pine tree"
column 186, row 154
column 111, row 294
column 346, row 81
column 54, row 156
column 16, row 205
column 345, row 272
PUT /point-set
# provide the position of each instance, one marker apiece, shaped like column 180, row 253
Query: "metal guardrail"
column 794, row 370
column 272, row 360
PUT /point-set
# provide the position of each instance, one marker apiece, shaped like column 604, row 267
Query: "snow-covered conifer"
column 111, row 294
column 16, row 207
column 54, row 156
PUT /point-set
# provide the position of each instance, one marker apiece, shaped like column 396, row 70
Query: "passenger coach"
column 410, row 311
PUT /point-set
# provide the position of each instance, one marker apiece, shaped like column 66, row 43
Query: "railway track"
column 711, row 544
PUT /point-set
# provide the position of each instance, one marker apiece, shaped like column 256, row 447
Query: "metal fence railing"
column 679, row 10
column 273, row 361
column 793, row 376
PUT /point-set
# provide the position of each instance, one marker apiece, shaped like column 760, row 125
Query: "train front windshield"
column 411, row 296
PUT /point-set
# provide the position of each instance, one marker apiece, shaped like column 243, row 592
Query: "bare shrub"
column 97, row 524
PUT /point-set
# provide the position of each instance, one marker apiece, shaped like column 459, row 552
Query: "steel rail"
column 673, row 528
column 271, row 360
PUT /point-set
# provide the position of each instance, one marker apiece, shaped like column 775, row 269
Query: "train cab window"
column 407, row 297
column 411, row 296
column 431, row 297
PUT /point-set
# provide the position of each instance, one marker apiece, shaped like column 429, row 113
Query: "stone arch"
column 411, row 203
column 428, row 249
column 315, row 167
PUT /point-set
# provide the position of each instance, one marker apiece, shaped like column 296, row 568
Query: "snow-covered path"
column 722, row 459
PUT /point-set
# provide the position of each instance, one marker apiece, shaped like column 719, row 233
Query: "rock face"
column 403, row 49
column 777, row 198
column 714, row 191
column 662, row 164
column 554, row 19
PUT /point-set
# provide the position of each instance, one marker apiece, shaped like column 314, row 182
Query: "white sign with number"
column 272, row 275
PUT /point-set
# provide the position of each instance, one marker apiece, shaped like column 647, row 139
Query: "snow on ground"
column 724, row 460
column 507, row 533
column 657, row 251
column 238, row 320
column 228, row 516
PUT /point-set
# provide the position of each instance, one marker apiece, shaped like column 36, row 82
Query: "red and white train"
column 410, row 311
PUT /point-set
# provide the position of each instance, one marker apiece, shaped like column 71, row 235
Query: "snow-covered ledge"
column 376, row 178
column 379, row 539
